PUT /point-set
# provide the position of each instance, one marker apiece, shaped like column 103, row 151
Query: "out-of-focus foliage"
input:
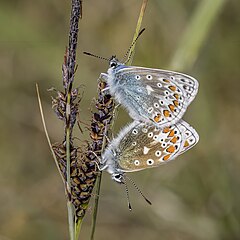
column 195, row 197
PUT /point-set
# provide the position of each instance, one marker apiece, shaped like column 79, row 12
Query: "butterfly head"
column 110, row 164
column 114, row 63
column 118, row 177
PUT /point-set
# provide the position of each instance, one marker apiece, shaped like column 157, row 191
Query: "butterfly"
column 155, row 96
column 140, row 146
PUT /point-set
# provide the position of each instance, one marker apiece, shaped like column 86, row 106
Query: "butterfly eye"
column 113, row 64
column 117, row 177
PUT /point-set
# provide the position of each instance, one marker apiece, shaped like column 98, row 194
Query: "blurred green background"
column 195, row 197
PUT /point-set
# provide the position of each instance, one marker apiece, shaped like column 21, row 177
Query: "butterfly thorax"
column 114, row 82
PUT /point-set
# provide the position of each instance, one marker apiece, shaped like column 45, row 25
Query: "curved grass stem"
column 131, row 54
column 137, row 30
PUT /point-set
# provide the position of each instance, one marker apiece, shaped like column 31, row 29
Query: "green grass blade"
column 196, row 34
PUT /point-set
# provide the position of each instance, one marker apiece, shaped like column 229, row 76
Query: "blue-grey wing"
column 155, row 95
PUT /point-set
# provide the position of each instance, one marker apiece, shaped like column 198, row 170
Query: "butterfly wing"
column 154, row 95
column 146, row 146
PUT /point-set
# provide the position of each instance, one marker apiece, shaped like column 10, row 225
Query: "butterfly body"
column 151, row 95
column 141, row 146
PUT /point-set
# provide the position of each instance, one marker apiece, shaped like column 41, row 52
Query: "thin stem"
column 97, row 192
column 46, row 132
column 69, row 204
column 68, row 136
column 78, row 226
column 71, row 213
column 76, row 13
column 71, row 220
column 95, row 210
column 98, row 184
column 138, row 27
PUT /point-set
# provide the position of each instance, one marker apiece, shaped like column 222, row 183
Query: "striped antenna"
column 134, row 184
column 127, row 194
column 92, row 55
column 133, row 43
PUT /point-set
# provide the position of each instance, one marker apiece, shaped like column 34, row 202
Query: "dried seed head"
column 83, row 170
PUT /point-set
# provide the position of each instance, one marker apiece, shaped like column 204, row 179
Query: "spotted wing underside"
column 146, row 146
column 155, row 95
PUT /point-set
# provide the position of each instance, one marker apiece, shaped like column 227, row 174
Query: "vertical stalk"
column 95, row 210
column 98, row 185
column 137, row 30
column 71, row 214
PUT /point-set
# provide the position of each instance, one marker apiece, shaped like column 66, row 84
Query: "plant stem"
column 46, row 132
column 71, row 220
column 71, row 212
column 98, row 184
column 95, row 211
column 137, row 30
column 78, row 226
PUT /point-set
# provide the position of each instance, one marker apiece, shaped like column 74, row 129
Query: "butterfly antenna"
column 92, row 55
column 133, row 43
column 127, row 194
column 134, row 184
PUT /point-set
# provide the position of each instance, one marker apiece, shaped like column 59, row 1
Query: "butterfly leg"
column 103, row 76
column 99, row 162
column 102, row 82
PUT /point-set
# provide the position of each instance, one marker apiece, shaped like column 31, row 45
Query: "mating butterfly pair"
column 156, row 99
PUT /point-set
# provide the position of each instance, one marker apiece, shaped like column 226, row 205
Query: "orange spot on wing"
column 175, row 102
column 166, row 113
column 171, row 107
column 166, row 130
column 174, row 140
column 173, row 88
column 171, row 149
column 171, row 134
column 157, row 118
column 186, row 144
column 165, row 158
column 176, row 95
column 166, row 81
